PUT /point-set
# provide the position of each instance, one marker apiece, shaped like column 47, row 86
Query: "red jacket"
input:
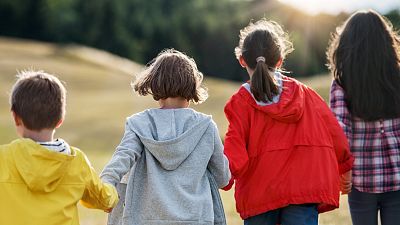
column 289, row 152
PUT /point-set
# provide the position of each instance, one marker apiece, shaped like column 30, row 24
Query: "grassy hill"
column 100, row 98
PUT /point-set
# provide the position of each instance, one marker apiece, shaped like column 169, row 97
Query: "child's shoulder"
column 80, row 160
column 156, row 112
column 140, row 117
column 139, row 114
column 294, row 84
column 201, row 114
column 3, row 147
column 292, row 81
column 7, row 149
column 4, row 153
column 77, row 151
column 239, row 100
column 238, row 94
column 79, row 155
column 152, row 117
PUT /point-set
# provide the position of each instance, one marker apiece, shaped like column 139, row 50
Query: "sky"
column 336, row 6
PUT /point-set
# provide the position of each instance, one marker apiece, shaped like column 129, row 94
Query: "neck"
column 173, row 103
column 250, row 71
column 44, row 135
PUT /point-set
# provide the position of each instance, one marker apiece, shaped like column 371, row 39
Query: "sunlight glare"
column 336, row 6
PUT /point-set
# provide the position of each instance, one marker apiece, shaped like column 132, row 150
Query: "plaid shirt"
column 375, row 146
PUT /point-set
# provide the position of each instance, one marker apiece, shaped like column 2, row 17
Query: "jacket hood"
column 170, row 135
column 288, row 109
column 42, row 170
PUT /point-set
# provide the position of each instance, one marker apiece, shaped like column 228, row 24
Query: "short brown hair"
column 38, row 99
column 171, row 74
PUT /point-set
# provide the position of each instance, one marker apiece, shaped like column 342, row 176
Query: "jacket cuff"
column 346, row 165
column 229, row 186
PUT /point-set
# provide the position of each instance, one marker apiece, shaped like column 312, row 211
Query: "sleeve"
column 124, row 157
column 97, row 194
column 235, row 145
column 218, row 164
column 339, row 108
column 340, row 128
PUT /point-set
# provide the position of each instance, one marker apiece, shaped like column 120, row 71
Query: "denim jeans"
column 364, row 207
column 306, row 214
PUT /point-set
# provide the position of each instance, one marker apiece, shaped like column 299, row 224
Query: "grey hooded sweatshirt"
column 171, row 151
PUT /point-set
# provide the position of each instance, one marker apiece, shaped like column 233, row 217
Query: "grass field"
column 99, row 100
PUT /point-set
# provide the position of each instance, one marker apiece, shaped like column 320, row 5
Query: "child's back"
column 286, row 149
column 173, row 150
column 364, row 58
column 41, row 178
column 169, row 183
column 38, row 186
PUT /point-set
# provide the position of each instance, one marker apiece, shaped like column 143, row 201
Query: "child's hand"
column 345, row 182
column 108, row 210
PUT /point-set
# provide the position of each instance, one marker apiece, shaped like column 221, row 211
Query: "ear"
column 242, row 62
column 59, row 123
column 279, row 63
column 17, row 119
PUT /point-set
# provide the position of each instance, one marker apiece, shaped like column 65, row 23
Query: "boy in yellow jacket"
column 43, row 178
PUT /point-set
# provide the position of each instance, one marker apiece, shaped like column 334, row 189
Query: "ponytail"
column 263, row 85
column 262, row 46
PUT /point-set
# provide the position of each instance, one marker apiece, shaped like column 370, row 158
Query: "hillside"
column 99, row 100
column 99, row 93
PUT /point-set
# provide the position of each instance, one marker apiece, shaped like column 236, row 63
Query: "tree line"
column 205, row 29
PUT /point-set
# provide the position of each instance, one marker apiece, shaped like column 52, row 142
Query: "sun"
column 317, row 6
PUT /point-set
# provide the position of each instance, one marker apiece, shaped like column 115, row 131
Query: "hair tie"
column 260, row 59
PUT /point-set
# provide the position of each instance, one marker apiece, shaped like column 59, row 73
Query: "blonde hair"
column 171, row 74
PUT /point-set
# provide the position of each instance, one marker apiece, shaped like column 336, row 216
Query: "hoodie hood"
column 170, row 135
column 288, row 109
column 42, row 170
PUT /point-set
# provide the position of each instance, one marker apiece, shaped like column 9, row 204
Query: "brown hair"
column 364, row 57
column 38, row 99
column 263, row 39
column 171, row 74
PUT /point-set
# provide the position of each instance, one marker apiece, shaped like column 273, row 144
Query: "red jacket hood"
column 290, row 106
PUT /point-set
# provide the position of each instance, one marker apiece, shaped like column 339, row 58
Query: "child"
column 42, row 178
column 285, row 148
column 171, row 148
column 364, row 57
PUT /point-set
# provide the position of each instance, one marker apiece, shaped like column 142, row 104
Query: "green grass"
column 99, row 100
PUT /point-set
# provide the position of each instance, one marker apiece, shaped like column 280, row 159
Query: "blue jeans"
column 306, row 214
column 364, row 207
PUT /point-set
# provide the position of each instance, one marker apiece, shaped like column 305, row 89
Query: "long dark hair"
column 263, row 39
column 364, row 57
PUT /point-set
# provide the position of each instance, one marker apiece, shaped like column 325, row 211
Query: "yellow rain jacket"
column 41, row 187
